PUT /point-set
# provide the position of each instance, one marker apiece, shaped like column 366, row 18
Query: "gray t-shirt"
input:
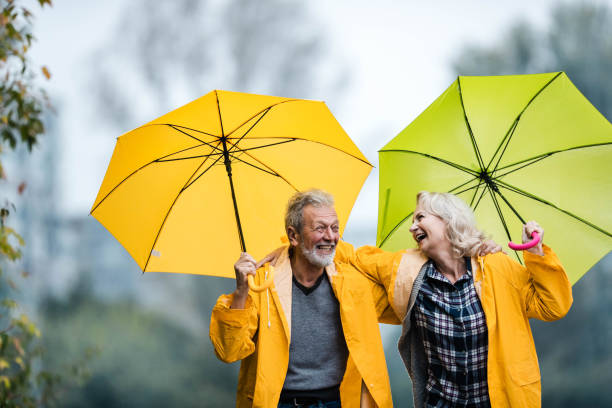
column 318, row 352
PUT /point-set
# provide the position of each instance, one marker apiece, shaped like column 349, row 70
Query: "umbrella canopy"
column 515, row 148
column 189, row 191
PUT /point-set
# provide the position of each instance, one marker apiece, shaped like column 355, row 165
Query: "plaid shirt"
column 450, row 320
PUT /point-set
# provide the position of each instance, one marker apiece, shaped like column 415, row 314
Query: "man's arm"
column 232, row 330
column 235, row 317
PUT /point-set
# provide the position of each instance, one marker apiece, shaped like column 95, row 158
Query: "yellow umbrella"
column 190, row 190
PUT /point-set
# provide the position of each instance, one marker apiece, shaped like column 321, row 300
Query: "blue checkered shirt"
column 450, row 320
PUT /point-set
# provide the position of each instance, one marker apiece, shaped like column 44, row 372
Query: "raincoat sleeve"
column 393, row 274
column 232, row 330
column 548, row 292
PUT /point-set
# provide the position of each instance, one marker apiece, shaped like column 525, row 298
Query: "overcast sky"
column 399, row 54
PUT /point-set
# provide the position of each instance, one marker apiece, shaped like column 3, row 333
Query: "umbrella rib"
column 187, row 185
column 262, row 146
column 324, row 144
column 272, row 173
column 463, row 184
column 469, row 127
column 183, row 127
column 456, row 166
column 201, row 141
column 542, row 201
column 399, row 224
column 507, row 138
column 188, row 157
column 159, row 159
column 259, row 113
column 510, row 206
column 533, row 161
column 476, row 193
column 484, row 190
column 276, row 173
column 252, row 126
column 499, row 213
column 503, row 220
column 475, row 188
column 547, row 154
column 518, row 117
column 172, row 206
column 219, row 111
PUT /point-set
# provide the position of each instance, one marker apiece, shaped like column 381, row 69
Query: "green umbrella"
column 515, row 148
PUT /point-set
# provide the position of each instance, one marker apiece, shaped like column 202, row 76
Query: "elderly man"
column 313, row 339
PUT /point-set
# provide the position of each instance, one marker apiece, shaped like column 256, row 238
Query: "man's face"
column 319, row 236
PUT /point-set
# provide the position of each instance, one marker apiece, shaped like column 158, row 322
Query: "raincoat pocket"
column 525, row 372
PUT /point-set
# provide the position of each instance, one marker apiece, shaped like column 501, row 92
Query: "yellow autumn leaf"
column 19, row 361
column 4, row 380
column 46, row 72
column 4, row 364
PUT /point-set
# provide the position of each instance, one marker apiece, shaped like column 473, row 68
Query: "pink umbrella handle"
column 535, row 239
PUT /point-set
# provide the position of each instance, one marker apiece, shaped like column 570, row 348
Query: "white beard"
column 320, row 261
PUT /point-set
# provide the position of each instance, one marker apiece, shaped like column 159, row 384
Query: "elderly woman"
column 466, row 339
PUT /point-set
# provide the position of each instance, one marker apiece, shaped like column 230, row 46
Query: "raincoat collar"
column 283, row 286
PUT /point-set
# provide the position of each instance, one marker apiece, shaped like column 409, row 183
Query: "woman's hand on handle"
column 528, row 229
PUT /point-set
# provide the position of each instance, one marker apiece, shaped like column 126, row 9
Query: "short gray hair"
column 461, row 230
column 294, row 217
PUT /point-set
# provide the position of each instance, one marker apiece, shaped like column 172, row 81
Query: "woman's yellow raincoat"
column 510, row 294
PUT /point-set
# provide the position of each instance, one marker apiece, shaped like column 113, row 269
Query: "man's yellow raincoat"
column 259, row 334
column 510, row 294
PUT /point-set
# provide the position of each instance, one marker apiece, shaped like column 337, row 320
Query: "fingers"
column 489, row 247
column 529, row 228
column 264, row 260
column 271, row 257
column 245, row 265
column 246, row 262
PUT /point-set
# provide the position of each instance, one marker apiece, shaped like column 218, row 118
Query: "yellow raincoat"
column 259, row 334
column 510, row 294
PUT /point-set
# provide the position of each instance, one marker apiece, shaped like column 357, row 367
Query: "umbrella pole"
column 228, row 168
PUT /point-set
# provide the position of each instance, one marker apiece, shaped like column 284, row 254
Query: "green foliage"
column 21, row 103
column 22, row 106
column 578, row 41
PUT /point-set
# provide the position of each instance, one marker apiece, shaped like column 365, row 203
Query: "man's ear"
column 293, row 236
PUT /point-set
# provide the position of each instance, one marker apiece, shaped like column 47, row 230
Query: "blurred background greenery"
column 112, row 337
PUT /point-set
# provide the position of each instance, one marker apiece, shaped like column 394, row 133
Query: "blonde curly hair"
column 461, row 230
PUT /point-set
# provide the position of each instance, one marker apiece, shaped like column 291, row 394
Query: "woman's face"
column 428, row 230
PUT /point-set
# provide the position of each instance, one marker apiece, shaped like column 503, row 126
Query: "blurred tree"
column 22, row 105
column 178, row 51
column 575, row 351
column 577, row 41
